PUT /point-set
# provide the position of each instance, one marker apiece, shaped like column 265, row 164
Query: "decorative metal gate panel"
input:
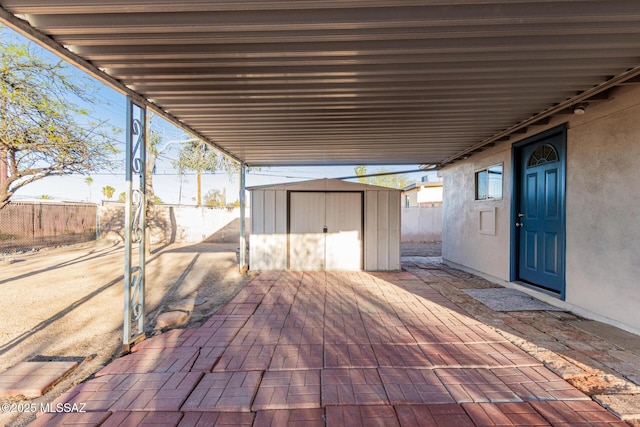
column 135, row 223
column 242, row 258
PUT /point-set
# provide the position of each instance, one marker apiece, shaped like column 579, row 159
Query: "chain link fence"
column 27, row 226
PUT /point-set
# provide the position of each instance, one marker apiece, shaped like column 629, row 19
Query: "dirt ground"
column 67, row 303
column 433, row 249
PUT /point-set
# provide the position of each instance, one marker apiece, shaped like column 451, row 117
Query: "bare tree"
column 389, row 180
column 43, row 132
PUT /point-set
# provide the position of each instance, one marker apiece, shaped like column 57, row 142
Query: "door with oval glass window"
column 539, row 214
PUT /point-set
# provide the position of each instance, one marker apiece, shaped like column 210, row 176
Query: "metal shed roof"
column 323, row 184
column 346, row 81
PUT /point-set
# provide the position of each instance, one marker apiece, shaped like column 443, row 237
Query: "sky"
column 169, row 186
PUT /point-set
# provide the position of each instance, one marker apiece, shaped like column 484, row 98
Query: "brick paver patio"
column 32, row 379
column 314, row 349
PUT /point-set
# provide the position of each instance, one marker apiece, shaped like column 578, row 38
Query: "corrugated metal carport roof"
column 348, row 81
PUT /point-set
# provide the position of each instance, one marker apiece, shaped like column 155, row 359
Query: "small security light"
column 579, row 109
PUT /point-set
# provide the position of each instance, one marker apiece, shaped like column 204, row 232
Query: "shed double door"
column 325, row 230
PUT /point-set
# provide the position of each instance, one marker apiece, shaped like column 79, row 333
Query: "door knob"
column 519, row 224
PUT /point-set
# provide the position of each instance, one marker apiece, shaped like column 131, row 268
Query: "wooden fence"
column 34, row 225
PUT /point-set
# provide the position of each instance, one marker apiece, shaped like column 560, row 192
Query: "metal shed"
column 325, row 224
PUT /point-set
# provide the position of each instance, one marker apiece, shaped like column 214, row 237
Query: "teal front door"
column 539, row 215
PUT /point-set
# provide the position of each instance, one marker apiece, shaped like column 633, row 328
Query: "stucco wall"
column 422, row 196
column 602, row 211
column 430, row 195
column 421, row 224
column 463, row 241
column 177, row 224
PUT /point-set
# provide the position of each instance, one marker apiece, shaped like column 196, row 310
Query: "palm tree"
column 88, row 180
column 108, row 191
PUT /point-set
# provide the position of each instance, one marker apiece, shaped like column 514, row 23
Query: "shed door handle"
column 324, row 229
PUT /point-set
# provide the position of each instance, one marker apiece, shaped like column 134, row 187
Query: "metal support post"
column 243, row 240
column 135, row 226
